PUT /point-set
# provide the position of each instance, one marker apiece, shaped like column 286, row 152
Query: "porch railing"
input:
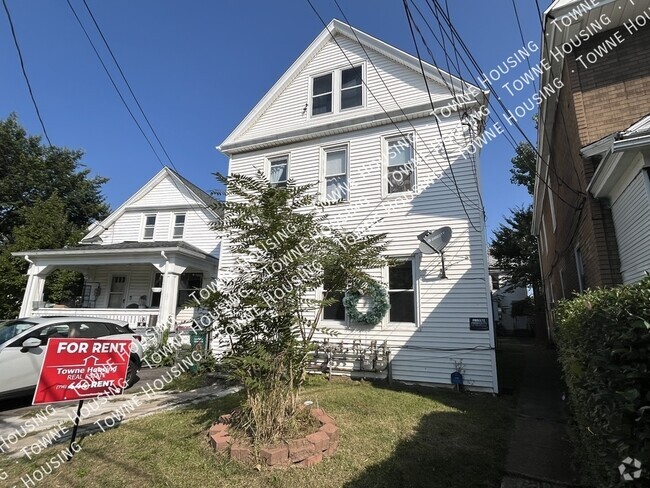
column 137, row 317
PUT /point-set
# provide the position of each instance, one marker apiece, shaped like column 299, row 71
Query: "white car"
column 23, row 343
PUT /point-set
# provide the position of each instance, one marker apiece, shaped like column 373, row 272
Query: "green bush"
column 603, row 338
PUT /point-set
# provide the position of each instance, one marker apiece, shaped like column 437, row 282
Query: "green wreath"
column 380, row 304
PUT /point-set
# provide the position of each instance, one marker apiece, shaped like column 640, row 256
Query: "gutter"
column 348, row 125
column 86, row 252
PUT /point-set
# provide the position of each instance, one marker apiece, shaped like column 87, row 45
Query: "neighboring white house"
column 503, row 296
column 141, row 262
column 350, row 114
column 623, row 178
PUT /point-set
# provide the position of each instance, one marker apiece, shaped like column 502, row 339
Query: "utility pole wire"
column 22, row 66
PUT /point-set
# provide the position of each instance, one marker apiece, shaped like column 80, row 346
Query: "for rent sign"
column 78, row 369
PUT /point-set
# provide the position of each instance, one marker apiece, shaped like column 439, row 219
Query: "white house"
column 353, row 115
column 141, row 262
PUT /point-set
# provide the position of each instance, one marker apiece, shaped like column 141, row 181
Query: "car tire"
column 131, row 374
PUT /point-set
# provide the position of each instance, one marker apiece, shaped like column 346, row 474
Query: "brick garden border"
column 303, row 452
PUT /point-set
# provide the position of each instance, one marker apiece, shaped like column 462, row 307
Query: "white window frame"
column 385, row 141
column 345, row 322
column 144, row 227
column 337, row 78
column 323, row 173
column 274, row 158
column 173, row 226
column 415, row 269
column 562, row 283
column 340, row 87
column 311, row 94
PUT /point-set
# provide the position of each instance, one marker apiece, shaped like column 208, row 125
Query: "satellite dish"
column 435, row 241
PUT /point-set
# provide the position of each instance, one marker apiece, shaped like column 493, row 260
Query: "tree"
column 515, row 249
column 31, row 171
column 266, row 303
column 46, row 202
column 523, row 170
column 513, row 246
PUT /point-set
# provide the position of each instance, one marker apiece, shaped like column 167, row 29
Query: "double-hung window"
column 401, row 291
column 149, row 227
column 336, row 174
column 321, row 95
column 400, row 174
column 279, row 171
column 179, row 226
column 339, row 90
column 336, row 310
column 351, row 87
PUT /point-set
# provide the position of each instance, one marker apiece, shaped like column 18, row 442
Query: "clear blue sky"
column 198, row 67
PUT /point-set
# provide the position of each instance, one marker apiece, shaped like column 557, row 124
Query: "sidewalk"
column 55, row 425
column 539, row 453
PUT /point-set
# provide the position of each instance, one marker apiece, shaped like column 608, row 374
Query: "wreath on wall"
column 380, row 304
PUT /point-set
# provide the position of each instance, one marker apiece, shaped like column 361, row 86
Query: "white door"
column 118, row 292
column 20, row 368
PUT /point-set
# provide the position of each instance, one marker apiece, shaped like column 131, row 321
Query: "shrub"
column 603, row 337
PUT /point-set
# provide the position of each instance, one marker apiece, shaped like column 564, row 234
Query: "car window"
column 12, row 328
column 44, row 333
column 89, row 330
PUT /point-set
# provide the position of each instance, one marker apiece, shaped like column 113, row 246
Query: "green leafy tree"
column 513, row 246
column 47, row 200
column 523, row 167
column 266, row 306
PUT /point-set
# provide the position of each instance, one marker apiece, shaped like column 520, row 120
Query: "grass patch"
column 189, row 382
column 390, row 438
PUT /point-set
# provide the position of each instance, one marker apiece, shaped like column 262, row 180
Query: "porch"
column 143, row 284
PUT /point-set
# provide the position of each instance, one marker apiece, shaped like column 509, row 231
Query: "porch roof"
column 123, row 252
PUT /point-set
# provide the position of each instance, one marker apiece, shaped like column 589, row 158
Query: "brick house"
column 592, row 216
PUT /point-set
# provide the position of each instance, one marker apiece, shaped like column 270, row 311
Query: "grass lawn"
column 390, row 438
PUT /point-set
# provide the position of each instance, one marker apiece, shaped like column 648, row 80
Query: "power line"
column 515, row 123
column 491, row 88
column 22, row 67
column 128, row 85
column 426, row 85
column 458, row 191
column 126, row 105
column 521, row 35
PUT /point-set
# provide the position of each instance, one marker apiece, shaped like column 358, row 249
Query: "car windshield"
column 11, row 328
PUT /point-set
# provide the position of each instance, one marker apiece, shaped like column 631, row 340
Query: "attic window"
column 351, row 94
column 149, row 226
column 179, row 226
column 321, row 102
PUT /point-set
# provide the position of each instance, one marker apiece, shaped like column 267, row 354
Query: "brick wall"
column 613, row 93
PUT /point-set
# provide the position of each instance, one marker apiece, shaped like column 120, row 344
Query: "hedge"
column 603, row 341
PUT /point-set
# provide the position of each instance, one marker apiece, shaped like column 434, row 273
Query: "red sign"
column 77, row 369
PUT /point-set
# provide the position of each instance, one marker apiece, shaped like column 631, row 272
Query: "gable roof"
column 336, row 27
column 179, row 181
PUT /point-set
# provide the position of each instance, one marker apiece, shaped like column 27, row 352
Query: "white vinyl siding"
column 631, row 215
column 169, row 202
column 444, row 305
column 403, row 84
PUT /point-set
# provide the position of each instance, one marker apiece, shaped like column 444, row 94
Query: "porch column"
column 169, row 294
column 34, row 289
